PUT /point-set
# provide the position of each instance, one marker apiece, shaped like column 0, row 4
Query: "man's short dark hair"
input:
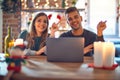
column 71, row 9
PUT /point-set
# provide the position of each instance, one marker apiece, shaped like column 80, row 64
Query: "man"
column 74, row 20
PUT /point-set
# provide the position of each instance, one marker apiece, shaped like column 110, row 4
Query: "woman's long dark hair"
column 32, row 32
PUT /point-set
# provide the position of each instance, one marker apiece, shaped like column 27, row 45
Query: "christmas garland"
column 11, row 6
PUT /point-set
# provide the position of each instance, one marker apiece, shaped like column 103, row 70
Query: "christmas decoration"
column 14, row 60
column 11, row 6
column 49, row 16
column 58, row 17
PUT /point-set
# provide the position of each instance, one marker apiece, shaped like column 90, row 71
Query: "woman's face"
column 41, row 24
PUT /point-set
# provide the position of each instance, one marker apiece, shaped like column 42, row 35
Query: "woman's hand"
column 53, row 29
column 100, row 27
column 88, row 48
column 42, row 50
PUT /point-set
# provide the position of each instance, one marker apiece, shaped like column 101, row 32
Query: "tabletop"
column 38, row 68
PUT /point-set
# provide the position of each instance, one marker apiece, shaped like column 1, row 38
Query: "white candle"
column 98, row 54
column 18, row 42
column 109, row 54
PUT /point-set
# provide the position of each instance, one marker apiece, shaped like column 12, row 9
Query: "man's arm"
column 100, row 27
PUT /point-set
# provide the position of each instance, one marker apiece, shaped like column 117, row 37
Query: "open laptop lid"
column 65, row 49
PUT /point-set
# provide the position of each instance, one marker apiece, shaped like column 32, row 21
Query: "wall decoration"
column 11, row 6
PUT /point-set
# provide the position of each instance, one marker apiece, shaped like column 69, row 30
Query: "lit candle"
column 98, row 54
column 109, row 54
column 18, row 42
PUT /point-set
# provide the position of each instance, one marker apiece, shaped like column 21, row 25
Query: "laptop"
column 65, row 49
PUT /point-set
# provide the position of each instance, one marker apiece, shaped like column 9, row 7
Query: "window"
column 104, row 10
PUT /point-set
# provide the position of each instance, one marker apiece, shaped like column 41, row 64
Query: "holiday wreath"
column 11, row 6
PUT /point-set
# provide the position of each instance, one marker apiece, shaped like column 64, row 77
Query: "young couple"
column 38, row 32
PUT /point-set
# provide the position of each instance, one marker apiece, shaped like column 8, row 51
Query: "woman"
column 36, row 37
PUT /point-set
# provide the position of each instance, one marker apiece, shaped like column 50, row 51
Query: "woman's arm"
column 42, row 50
column 29, row 52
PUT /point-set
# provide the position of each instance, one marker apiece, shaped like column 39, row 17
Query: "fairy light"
column 66, row 2
column 21, row 0
column 47, row 2
column 33, row 1
column 25, row 6
column 22, row 13
column 25, row 0
column 56, row 4
column 36, row 4
column 38, row 1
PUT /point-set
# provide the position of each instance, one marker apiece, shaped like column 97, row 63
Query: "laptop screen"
column 65, row 49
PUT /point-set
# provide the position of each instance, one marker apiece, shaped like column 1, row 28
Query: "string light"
column 38, row 1
column 25, row 0
column 21, row 0
column 36, row 4
column 33, row 1
column 66, row 2
column 57, row 3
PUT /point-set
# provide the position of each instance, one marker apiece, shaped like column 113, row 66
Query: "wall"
column 1, row 19
column 14, row 21
column 11, row 17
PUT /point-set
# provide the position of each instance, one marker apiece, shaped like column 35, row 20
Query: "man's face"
column 74, row 20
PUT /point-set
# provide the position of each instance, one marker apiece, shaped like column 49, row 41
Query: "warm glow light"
column 66, row 2
column 47, row 2
column 56, row 4
column 18, row 42
column 38, row 1
column 21, row 0
column 36, row 4
column 25, row 6
column 22, row 13
column 33, row 1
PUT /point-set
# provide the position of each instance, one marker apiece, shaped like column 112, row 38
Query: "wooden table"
column 38, row 68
